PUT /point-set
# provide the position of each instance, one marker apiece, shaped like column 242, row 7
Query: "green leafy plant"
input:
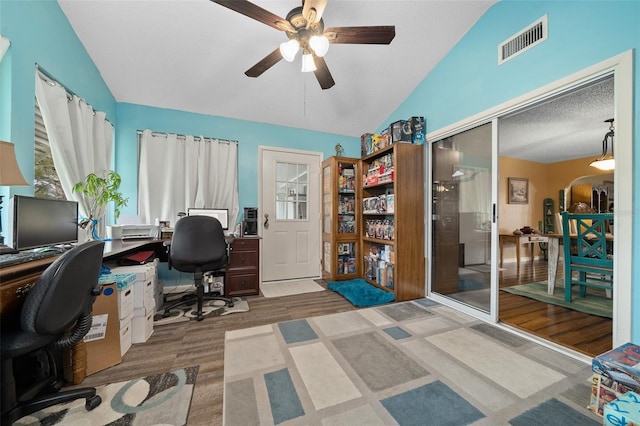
column 98, row 191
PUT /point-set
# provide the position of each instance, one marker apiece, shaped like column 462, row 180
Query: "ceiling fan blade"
column 267, row 62
column 312, row 10
column 361, row 35
column 253, row 11
column 322, row 73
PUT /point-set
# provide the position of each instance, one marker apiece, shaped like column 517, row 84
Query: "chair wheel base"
column 93, row 402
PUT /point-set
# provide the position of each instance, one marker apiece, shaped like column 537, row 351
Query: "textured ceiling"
column 566, row 127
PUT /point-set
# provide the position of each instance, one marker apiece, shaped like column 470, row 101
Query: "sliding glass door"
column 463, row 221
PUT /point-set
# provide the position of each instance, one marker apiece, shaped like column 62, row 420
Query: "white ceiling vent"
column 534, row 34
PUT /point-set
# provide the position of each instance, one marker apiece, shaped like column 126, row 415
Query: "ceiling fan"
column 305, row 29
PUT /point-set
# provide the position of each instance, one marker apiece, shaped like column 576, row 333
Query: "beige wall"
column 545, row 181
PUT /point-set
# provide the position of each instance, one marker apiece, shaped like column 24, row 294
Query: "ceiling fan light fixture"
column 319, row 44
column 308, row 64
column 289, row 49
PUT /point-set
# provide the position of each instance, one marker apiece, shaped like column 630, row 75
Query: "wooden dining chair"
column 588, row 252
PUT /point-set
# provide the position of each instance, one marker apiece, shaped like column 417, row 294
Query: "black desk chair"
column 56, row 314
column 198, row 245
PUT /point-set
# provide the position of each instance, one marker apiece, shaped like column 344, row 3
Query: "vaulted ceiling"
column 191, row 55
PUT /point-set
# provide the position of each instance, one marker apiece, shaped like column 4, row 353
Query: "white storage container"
column 142, row 323
column 125, row 334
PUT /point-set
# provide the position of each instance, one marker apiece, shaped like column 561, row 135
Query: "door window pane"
column 291, row 191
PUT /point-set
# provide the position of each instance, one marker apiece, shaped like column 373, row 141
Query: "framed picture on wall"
column 518, row 190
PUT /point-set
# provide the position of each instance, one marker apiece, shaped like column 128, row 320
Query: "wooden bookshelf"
column 402, row 176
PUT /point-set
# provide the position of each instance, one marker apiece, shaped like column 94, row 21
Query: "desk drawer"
column 241, row 285
column 250, row 244
column 538, row 239
column 241, row 259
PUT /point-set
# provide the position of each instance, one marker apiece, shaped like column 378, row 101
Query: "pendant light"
column 606, row 161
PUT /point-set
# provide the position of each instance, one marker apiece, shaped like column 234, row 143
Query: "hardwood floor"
column 202, row 343
column 175, row 346
column 588, row 334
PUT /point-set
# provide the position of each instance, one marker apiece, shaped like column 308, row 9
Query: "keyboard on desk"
column 26, row 256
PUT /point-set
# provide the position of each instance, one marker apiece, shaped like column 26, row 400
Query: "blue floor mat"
column 360, row 293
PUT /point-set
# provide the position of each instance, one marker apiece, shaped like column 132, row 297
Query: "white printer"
column 129, row 232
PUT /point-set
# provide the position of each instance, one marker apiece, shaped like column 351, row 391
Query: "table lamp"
column 10, row 175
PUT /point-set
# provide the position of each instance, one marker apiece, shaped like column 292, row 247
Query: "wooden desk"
column 242, row 275
column 529, row 239
column 16, row 280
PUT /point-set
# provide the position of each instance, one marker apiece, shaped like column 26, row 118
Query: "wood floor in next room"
column 588, row 334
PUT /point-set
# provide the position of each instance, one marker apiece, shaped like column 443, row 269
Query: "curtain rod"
column 139, row 132
column 70, row 93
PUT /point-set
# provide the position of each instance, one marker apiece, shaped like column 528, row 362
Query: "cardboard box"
column 125, row 334
column 143, row 293
column 142, row 323
column 125, row 291
column 142, row 272
column 103, row 340
column 158, row 295
column 625, row 410
column 125, row 303
column 146, row 277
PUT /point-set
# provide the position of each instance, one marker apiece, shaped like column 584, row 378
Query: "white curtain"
column 178, row 172
column 80, row 138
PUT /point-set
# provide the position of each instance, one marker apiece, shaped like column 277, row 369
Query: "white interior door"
column 290, row 214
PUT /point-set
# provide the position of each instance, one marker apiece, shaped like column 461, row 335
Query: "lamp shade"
column 10, row 174
column 319, row 44
column 289, row 49
column 308, row 64
column 604, row 163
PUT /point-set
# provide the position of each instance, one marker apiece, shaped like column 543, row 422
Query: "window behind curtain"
column 46, row 182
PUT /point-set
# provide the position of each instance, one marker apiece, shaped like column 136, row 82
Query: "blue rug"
column 360, row 293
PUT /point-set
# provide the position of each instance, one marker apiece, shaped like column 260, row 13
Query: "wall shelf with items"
column 340, row 219
column 392, row 202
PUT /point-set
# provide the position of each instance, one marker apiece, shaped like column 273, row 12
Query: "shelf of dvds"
column 392, row 200
column 340, row 223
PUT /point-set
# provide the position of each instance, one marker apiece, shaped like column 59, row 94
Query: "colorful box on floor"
column 625, row 410
column 615, row 372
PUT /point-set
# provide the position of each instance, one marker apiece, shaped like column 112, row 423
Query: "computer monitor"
column 41, row 222
column 221, row 214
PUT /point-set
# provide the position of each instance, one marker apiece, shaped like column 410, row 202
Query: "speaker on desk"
column 250, row 223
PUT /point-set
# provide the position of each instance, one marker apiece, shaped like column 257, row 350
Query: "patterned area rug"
column 410, row 363
column 210, row 308
column 161, row 399
column 594, row 303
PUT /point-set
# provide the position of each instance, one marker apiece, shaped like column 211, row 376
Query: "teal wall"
column 469, row 80
column 249, row 135
column 40, row 34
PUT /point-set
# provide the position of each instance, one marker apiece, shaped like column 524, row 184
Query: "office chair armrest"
column 82, row 327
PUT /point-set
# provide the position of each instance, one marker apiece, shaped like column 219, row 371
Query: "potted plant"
column 98, row 191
